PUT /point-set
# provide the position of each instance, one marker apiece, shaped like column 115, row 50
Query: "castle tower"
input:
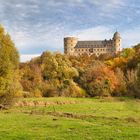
column 117, row 42
column 69, row 44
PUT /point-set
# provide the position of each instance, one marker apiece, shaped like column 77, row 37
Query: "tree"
column 131, row 81
column 98, row 80
column 9, row 62
column 105, row 56
column 121, row 88
column 57, row 70
column 137, row 93
column 128, row 53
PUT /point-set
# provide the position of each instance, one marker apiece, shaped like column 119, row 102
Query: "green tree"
column 128, row 52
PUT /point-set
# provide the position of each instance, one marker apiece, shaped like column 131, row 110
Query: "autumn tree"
column 137, row 93
column 98, row 80
column 121, row 88
column 58, row 71
column 9, row 61
column 131, row 81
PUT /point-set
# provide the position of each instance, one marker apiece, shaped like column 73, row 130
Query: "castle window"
column 91, row 50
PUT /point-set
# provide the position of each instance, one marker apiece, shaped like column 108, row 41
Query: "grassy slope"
column 89, row 119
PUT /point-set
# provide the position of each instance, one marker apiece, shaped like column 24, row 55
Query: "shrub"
column 73, row 90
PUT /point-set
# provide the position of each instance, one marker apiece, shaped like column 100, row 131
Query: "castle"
column 74, row 47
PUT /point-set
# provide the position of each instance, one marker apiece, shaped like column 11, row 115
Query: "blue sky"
column 40, row 25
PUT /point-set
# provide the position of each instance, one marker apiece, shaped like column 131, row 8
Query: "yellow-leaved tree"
column 9, row 63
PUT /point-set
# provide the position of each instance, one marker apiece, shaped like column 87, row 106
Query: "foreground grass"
column 74, row 119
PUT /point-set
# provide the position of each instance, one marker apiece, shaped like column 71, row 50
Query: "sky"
column 40, row 25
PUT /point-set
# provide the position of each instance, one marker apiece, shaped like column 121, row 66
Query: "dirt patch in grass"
column 131, row 119
column 43, row 103
column 82, row 116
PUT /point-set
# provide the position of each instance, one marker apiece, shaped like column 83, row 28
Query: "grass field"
column 72, row 119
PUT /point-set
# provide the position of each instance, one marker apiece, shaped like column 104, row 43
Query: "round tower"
column 69, row 44
column 117, row 42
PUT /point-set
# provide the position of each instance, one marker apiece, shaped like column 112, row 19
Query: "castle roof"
column 116, row 34
column 93, row 44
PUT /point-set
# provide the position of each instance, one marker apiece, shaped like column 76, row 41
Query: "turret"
column 117, row 42
column 69, row 44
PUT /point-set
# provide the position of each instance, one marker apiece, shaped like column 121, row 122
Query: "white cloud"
column 96, row 33
column 131, row 37
column 51, row 36
column 27, row 57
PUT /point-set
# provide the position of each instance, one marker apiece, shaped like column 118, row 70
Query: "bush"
column 73, row 90
column 49, row 90
column 6, row 92
column 37, row 93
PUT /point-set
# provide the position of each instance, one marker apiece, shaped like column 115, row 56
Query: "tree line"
column 56, row 74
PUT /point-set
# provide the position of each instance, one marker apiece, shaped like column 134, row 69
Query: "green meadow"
column 72, row 119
